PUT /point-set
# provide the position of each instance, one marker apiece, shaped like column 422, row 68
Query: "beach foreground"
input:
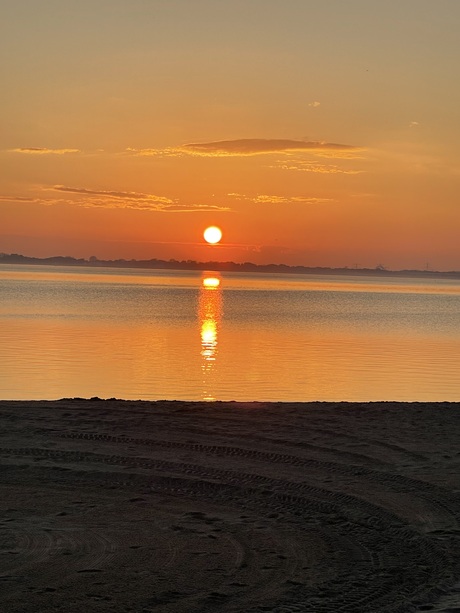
column 115, row 506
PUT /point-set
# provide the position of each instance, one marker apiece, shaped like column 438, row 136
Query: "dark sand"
column 115, row 506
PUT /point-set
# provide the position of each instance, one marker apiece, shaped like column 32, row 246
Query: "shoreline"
column 113, row 505
column 218, row 266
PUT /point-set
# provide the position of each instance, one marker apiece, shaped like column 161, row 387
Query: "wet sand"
column 114, row 506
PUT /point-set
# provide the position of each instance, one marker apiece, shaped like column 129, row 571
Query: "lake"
column 151, row 334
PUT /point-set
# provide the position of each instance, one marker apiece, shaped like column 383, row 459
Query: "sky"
column 319, row 133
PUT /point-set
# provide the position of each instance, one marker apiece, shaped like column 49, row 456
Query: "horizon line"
column 90, row 262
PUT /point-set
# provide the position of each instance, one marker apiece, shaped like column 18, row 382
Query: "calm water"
column 189, row 335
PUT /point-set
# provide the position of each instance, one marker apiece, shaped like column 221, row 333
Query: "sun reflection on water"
column 209, row 313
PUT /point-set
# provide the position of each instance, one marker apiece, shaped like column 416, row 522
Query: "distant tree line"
column 93, row 261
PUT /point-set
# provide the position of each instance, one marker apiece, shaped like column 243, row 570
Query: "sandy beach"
column 115, row 506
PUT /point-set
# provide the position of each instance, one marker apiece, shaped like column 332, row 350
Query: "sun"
column 212, row 235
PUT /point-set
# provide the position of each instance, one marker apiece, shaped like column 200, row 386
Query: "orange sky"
column 311, row 133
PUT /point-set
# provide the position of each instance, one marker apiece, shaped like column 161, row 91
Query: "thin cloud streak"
column 194, row 208
column 17, row 199
column 152, row 206
column 228, row 148
column 275, row 199
column 89, row 198
column 132, row 200
column 301, row 166
column 112, row 194
column 150, row 152
column 265, row 199
column 43, row 151
column 257, row 146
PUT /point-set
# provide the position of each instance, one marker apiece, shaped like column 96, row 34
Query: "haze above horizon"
column 313, row 134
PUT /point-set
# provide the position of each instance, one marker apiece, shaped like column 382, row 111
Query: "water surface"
column 153, row 334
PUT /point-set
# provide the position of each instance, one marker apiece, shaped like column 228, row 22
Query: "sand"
column 114, row 506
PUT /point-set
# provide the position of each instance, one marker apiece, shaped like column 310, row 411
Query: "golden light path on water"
column 209, row 312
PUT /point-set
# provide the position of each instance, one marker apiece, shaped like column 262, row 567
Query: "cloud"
column 256, row 146
column 355, row 154
column 167, row 152
column 413, row 124
column 150, row 205
column 193, row 208
column 93, row 198
column 227, row 148
column 303, row 166
column 112, row 194
column 43, row 151
column 265, row 199
column 16, row 199
column 40, row 201
column 315, row 104
column 249, row 147
column 274, row 199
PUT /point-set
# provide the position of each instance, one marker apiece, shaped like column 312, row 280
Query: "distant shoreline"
column 266, row 405
column 154, row 264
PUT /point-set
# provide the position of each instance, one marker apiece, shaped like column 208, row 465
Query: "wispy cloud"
column 354, row 154
column 43, row 151
column 305, row 166
column 266, row 199
column 315, row 104
column 112, row 194
column 37, row 201
column 275, row 199
column 250, row 147
column 256, row 146
column 167, row 152
column 94, row 198
column 225, row 148
column 195, row 208
column 413, row 124
column 17, row 199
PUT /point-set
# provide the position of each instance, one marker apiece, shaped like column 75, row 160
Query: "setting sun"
column 212, row 235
